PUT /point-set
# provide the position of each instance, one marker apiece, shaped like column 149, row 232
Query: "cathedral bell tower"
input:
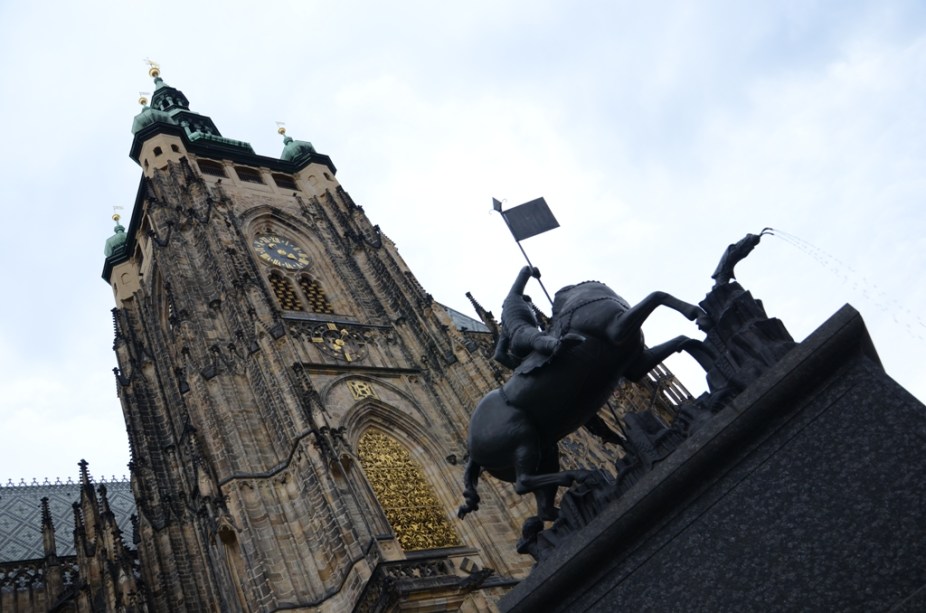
column 296, row 403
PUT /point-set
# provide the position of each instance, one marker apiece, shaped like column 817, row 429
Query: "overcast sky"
column 658, row 132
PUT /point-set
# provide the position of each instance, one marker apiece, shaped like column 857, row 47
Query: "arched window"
column 412, row 509
column 318, row 302
column 285, row 293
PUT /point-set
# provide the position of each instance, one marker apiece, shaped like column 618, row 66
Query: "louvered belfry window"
column 318, row 302
column 285, row 293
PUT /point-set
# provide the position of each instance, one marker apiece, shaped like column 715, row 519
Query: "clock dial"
column 342, row 344
column 280, row 252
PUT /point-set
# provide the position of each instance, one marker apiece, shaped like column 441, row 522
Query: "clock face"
column 342, row 344
column 280, row 252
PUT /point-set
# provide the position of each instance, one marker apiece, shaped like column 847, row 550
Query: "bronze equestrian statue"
column 563, row 376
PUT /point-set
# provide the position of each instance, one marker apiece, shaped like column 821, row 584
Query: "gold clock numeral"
column 280, row 252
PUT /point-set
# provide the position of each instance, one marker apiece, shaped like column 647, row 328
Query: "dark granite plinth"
column 807, row 492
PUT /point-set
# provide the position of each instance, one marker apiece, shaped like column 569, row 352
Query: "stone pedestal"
column 806, row 492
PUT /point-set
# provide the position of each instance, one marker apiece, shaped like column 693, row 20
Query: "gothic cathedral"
column 296, row 406
column 296, row 403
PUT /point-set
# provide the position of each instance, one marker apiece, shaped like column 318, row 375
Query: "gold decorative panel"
column 419, row 521
column 361, row 389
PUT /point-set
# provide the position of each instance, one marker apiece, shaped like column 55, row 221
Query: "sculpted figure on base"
column 520, row 330
column 571, row 369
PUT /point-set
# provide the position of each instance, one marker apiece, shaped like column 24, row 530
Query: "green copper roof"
column 116, row 242
column 293, row 150
column 166, row 103
column 169, row 107
column 149, row 116
column 166, row 98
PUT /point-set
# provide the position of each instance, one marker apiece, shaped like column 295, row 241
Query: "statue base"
column 805, row 492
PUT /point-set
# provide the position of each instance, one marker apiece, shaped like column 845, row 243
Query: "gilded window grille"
column 412, row 509
column 318, row 302
column 286, row 295
column 361, row 389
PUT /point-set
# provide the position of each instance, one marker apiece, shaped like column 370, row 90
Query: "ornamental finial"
column 154, row 70
column 281, row 128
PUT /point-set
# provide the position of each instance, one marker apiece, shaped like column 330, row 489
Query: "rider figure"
column 520, row 334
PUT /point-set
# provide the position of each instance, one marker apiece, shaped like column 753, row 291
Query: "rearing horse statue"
column 566, row 376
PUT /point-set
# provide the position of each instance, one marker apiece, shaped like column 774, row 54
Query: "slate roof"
column 465, row 322
column 21, row 516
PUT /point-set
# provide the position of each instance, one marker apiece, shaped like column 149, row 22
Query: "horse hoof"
column 465, row 509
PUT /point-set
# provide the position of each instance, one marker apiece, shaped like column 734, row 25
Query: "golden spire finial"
column 116, row 215
column 143, row 98
column 154, row 70
column 281, row 128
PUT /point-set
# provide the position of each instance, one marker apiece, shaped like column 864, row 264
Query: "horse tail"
column 470, row 480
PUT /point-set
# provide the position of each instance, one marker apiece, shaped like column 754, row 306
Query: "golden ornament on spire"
column 143, row 98
column 154, row 70
column 281, row 128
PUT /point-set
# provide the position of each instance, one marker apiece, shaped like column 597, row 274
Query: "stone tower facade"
column 296, row 403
